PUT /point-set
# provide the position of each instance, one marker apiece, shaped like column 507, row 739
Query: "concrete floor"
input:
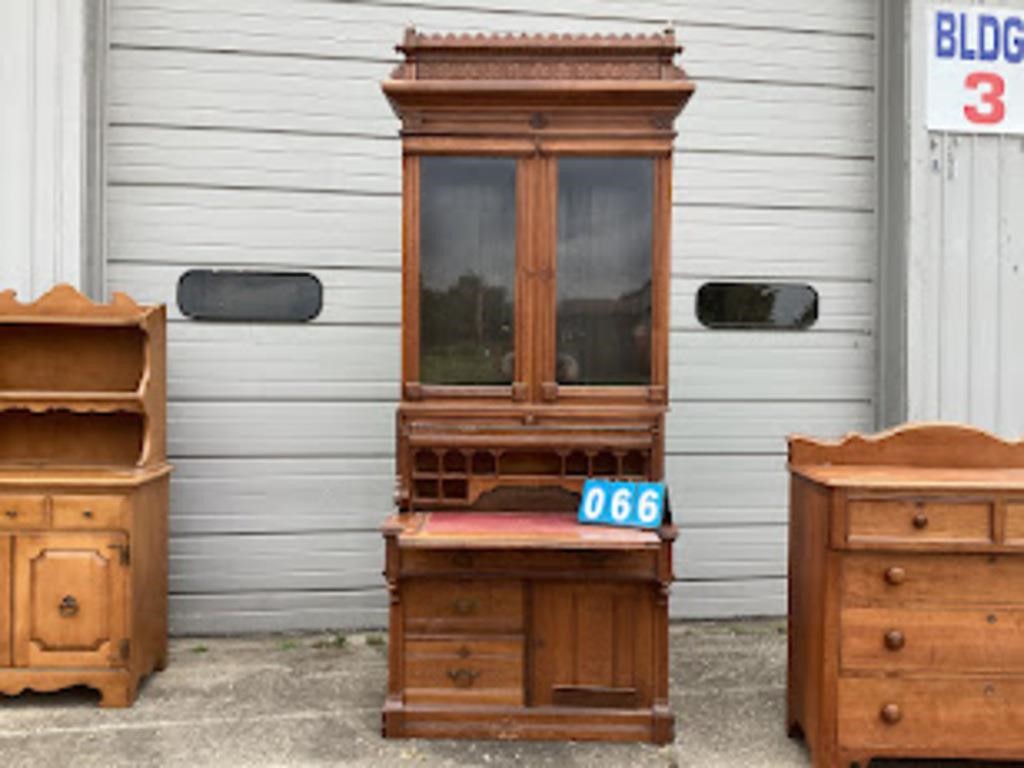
column 314, row 700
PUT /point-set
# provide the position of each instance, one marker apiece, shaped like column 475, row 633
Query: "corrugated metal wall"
column 253, row 133
column 966, row 267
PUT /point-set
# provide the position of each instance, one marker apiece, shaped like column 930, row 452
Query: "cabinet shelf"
column 39, row 401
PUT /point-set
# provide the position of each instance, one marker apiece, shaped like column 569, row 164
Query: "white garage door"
column 252, row 133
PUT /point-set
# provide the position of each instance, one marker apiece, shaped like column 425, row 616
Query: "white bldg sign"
column 976, row 70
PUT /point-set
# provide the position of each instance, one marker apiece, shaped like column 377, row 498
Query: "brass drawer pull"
column 895, row 575
column 463, row 606
column 464, row 652
column 894, row 640
column 891, row 714
column 462, row 677
column 10, row 514
column 68, row 607
column 920, row 521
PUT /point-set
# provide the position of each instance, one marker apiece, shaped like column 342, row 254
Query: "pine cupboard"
column 83, row 494
column 906, row 596
column 536, row 215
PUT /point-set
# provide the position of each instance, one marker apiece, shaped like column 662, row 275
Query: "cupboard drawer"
column 894, row 579
column 471, row 670
column 22, row 512
column 910, row 521
column 939, row 641
column 448, row 605
column 608, row 564
column 955, row 717
column 90, row 512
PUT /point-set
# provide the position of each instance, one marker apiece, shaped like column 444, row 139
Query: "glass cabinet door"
column 604, row 267
column 467, row 270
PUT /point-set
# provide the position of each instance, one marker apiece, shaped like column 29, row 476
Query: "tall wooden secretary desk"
column 536, row 215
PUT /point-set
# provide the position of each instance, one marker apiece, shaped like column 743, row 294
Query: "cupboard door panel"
column 5, row 601
column 70, row 600
column 592, row 645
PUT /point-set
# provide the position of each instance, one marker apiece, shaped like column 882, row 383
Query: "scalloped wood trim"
column 67, row 302
column 928, row 444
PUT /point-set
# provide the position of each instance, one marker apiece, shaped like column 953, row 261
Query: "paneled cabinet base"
column 526, row 626
column 117, row 687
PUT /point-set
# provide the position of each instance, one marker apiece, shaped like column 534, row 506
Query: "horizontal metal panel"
column 225, row 614
column 728, row 599
column 196, row 227
column 363, row 296
column 258, row 429
column 731, row 553
column 373, row 166
column 282, row 611
column 307, row 561
column 770, row 365
column 280, row 495
column 723, row 490
column 759, row 427
column 266, row 362
column 369, row 31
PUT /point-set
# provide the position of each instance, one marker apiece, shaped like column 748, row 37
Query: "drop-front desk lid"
column 890, row 477
column 499, row 530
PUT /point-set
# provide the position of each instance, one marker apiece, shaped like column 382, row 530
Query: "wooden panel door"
column 70, row 599
column 592, row 645
column 5, row 601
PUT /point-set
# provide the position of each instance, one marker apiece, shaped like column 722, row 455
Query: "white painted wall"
column 965, row 234
column 43, row 137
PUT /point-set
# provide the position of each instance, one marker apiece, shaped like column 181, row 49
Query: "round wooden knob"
column 87, row 514
column 920, row 521
column 894, row 640
column 895, row 575
column 891, row 714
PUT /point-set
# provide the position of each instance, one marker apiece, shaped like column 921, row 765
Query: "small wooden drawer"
column 895, row 579
column 1014, row 531
column 470, row 670
column 916, row 521
column 604, row 563
column 972, row 716
column 22, row 512
column 448, row 605
column 939, row 641
column 88, row 512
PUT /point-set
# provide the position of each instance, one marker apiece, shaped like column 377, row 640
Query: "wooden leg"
column 161, row 659
column 117, row 694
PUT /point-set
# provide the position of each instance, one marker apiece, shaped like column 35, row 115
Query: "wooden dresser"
column 537, row 205
column 83, row 494
column 906, row 596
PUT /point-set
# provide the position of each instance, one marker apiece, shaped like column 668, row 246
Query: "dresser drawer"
column 939, row 641
column 90, row 512
column 894, row 579
column 448, row 605
column 608, row 564
column 955, row 717
column 471, row 670
column 899, row 522
column 22, row 512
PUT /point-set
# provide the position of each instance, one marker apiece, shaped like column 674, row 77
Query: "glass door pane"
column 467, row 270
column 605, row 251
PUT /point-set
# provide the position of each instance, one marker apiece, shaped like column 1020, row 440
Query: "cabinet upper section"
column 545, row 86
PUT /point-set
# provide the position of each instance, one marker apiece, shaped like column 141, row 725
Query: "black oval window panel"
column 249, row 296
column 761, row 306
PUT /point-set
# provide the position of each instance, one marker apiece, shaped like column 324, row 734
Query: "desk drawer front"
column 895, row 640
column 471, row 670
column 894, row 579
column 953, row 716
column 90, row 512
column 22, row 512
column 910, row 521
column 449, row 605
column 607, row 564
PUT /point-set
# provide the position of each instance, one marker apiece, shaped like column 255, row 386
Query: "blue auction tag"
column 632, row 505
